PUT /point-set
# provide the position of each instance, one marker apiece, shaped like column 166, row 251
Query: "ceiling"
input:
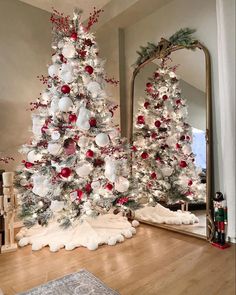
column 67, row 6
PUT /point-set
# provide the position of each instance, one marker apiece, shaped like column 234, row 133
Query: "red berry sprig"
column 60, row 21
column 93, row 18
column 112, row 81
column 6, row 159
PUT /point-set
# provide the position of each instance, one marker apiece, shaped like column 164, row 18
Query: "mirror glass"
column 169, row 152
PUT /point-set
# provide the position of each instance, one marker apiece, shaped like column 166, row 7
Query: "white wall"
column 25, row 38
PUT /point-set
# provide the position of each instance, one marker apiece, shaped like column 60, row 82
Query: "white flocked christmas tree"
column 76, row 163
column 164, row 163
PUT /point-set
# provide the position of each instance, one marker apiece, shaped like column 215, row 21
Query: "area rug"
column 79, row 283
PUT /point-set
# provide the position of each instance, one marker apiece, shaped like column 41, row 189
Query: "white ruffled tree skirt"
column 105, row 229
column 160, row 214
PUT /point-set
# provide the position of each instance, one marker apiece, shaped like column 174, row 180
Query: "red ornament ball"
column 89, row 154
column 65, row 172
column 157, row 123
column 178, row 146
column 154, row 135
column 140, row 120
column 79, row 194
column 165, row 97
column 89, row 70
column 109, row 186
column 92, row 122
column 178, row 101
column 74, row 36
column 153, row 175
column 149, row 85
column 88, row 188
column 65, row 89
column 144, row 155
column 190, row 182
column 157, row 75
column 146, row 104
column 183, row 164
column 72, row 118
column 182, row 137
column 134, row 149
column 28, row 165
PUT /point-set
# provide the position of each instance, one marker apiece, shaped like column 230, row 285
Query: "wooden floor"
column 154, row 262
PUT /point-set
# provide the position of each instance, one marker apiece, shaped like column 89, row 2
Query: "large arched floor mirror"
column 171, row 104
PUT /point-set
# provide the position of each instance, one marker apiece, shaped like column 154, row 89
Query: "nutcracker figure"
column 220, row 220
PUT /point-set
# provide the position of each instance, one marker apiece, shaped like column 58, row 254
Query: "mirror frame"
column 163, row 49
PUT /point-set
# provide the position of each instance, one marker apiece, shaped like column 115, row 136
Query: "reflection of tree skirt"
column 160, row 214
column 105, row 229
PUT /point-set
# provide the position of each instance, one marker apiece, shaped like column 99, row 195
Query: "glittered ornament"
column 54, row 148
column 89, row 70
column 157, row 123
column 144, row 155
column 65, row 89
column 66, row 172
column 72, row 118
column 69, row 146
column 183, row 164
column 140, row 120
column 92, row 122
column 89, row 154
column 33, row 156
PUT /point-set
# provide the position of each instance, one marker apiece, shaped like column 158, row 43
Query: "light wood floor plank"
column 154, row 262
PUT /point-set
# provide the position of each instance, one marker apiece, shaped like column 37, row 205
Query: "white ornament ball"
column 186, row 149
column 166, row 171
column 135, row 223
column 55, row 135
column 53, row 70
column 65, row 103
column 40, row 204
column 102, row 139
column 122, row 184
column 54, row 148
column 94, row 88
column 66, row 73
column 68, row 51
column 33, row 156
column 84, row 169
column 83, row 141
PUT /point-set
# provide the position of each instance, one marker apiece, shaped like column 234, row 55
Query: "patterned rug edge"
column 84, row 271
